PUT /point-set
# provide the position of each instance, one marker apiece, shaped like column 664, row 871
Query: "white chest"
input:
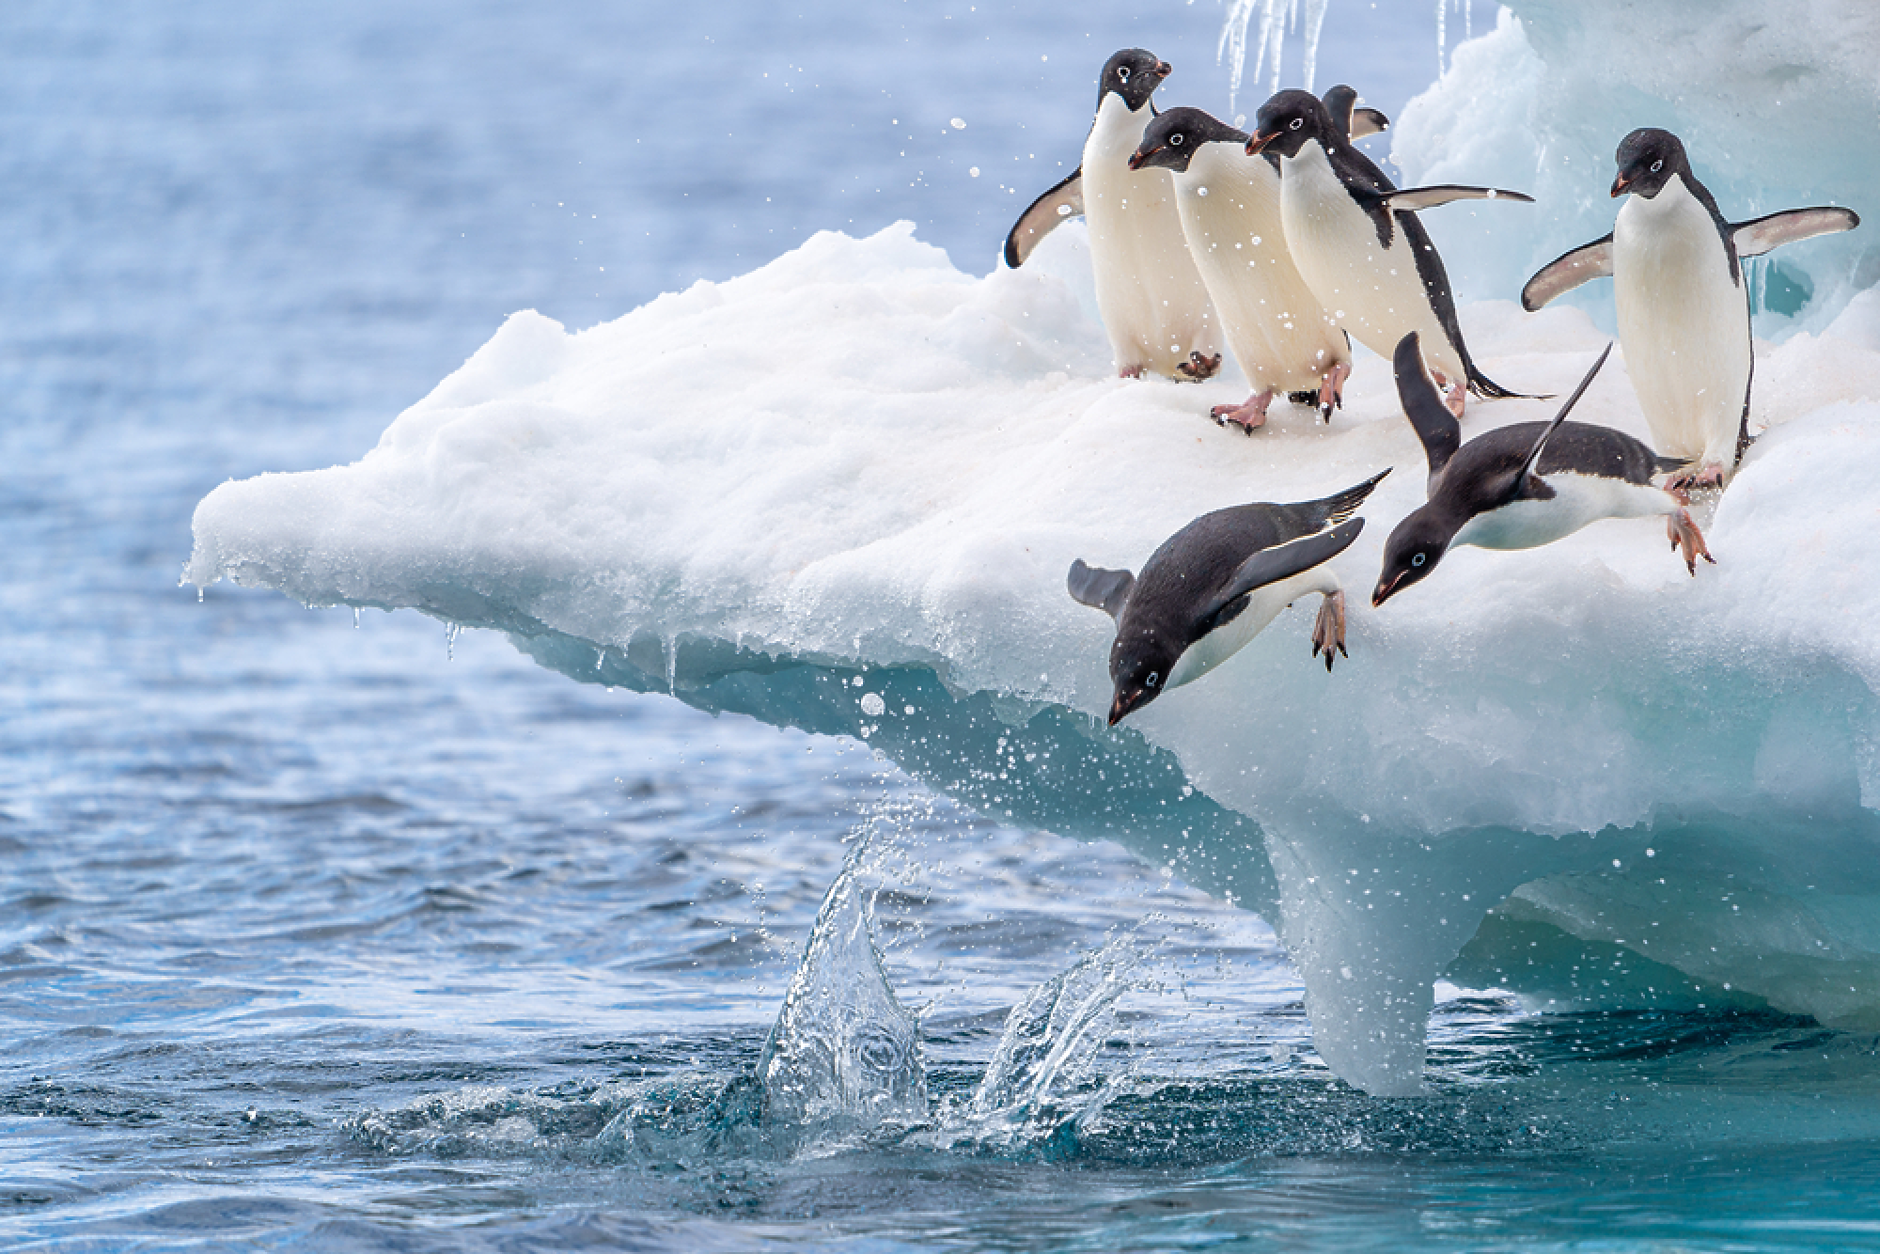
column 1577, row 501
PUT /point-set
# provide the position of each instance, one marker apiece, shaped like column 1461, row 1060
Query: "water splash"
column 1277, row 17
column 844, row 1056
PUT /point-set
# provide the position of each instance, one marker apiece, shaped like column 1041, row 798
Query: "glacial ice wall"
column 841, row 493
column 1778, row 105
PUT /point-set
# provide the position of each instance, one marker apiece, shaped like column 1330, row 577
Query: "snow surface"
column 841, row 492
column 1778, row 107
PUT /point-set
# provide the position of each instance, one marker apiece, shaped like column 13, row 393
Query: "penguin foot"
column 1129, row 372
column 1685, row 535
column 1706, row 476
column 1246, row 416
column 1328, row 633
column 1332, row 390
column 1455, row 392
column 1197, row 367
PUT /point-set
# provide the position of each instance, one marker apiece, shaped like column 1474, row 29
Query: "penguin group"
column 1281, row 245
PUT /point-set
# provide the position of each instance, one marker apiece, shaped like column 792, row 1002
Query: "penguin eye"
column 1418, row 560
column 1154, row 679
column 1175, row 140
column 1658, row 165
column 1295, row 124
column 1122, row 72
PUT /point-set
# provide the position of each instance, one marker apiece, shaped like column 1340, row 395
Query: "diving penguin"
column 1230, row 213
column 1215, row 584
column 1523, row 485
column 1153, row 302
column 1683, row 307
column 1358, row 244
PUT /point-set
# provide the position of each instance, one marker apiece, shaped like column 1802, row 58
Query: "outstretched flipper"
column 1568, row 271
column 1410, row 199
column 1432, row 419
column 1066, row 200
column 1106, row 590
column 1527, row 484
column 1759, row 235
column 1351, row 121
column 1282, row 561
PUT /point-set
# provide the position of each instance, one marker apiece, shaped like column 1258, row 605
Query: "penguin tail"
column 1485, row 387
column 1665, row 465
column 1345, row 504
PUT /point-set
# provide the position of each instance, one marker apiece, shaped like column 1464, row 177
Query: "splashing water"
column 844, row 1056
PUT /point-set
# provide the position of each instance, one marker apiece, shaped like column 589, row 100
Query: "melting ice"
column 861, row 462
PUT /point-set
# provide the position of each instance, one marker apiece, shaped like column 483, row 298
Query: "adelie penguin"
column 1683, row 307
column 1358, row 244
column 1153, row 303
column 1523, row 485
column 1215, row 584
column 1230, row 212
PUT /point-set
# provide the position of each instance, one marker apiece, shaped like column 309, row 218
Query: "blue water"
column 327, row 936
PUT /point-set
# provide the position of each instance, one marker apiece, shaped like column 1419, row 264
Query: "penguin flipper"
column 1759, row 235
column 1066, row 200
column 1282, row 561
column 1423, row 405
column 1408, row 199
column 1100, row 589
column 1352, row 122
column 1569, row 270
column 1527, row 484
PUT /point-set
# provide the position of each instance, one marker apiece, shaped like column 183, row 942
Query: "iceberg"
column 841, row 493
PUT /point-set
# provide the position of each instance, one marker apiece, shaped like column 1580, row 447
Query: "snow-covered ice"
column 858, row 472
column 841, row 492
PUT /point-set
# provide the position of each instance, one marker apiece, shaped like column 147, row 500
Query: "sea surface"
column 330, row 932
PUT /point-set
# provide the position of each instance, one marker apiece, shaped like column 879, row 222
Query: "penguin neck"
column 1117, row 130
column 1310, row 170
column 1221, row 175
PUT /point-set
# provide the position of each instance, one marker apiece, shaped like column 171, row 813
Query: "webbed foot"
column 1247, row 416
column 1709, row 475
column 1685, row 535
column 1455, row 392
column 1332, row 390
column 1328, row 632
column 1197, row 367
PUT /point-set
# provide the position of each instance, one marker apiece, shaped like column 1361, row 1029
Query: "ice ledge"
column 860, row 464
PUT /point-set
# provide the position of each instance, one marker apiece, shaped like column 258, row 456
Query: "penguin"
column 1215, row 584
column 1523, row 485
column 1358, row 244
column 1276, row 329
column 1152, row 300
column 1684, row 315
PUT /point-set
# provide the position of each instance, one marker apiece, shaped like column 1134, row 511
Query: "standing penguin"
column 1230, row 212
column 1682, row 303
column 1215, row 584
column 1523, row 485
column 1153, row 302
column 1358, row 244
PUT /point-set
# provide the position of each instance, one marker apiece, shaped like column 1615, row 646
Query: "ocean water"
column 329, row 933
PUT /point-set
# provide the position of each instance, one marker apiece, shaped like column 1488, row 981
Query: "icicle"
column 1442, row 34
column 1276, row 18
column 451, row 632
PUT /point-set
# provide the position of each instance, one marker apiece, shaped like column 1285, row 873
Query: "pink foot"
column 1709, row 475
column 1197, row 367
column 1328, row 632
column 1455, row 393
column 1246, row 416
column 1685, row 535
column 1332, row 390
column 1129, row 372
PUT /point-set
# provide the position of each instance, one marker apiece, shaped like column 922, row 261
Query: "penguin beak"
column 1163, row 69
column 1260, row 140
column 1386, row 590
column 1128, row 701
column 1141, row 155
column 1620, row 184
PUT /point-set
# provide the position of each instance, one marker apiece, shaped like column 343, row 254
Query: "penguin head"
column 1287, row 121
column 1648, row 157
column 1171, row 140
column 1411, row 553
column 1140, row 664
column 1133, row 74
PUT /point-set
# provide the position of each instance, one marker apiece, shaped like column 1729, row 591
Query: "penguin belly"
column 1263, row 606
column 1577, row 501
column 1684, row 324
column 1274, row 326
column 1371, row 291
column 1153, row 303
